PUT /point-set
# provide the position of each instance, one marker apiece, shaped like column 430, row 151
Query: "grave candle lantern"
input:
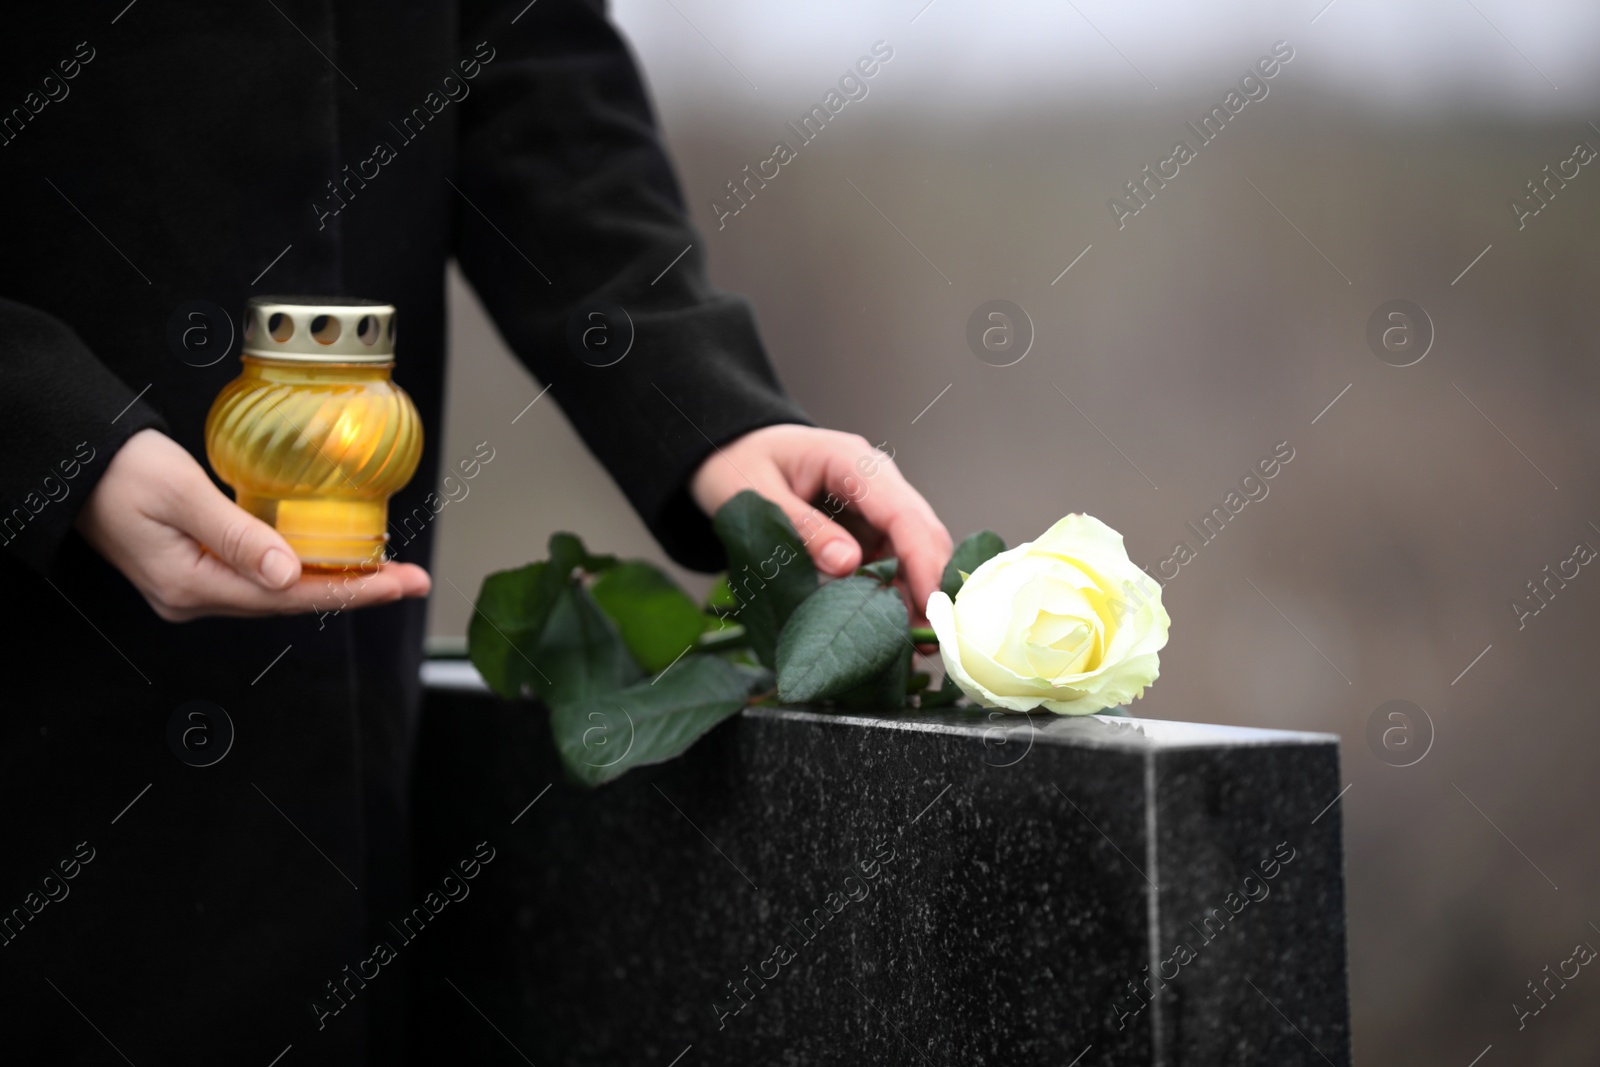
column 314, row 436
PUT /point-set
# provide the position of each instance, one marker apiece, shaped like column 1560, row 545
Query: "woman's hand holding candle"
column 157, row 517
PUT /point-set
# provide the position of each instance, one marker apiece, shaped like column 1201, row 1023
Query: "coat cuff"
column 63, row 415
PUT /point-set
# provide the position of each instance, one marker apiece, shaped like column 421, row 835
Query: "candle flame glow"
column 347, row 428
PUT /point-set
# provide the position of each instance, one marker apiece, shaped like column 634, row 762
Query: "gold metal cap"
column 316, row 329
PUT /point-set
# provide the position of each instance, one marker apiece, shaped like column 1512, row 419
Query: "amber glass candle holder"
column 314, row 436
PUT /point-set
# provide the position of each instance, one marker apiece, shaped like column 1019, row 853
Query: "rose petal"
column 941, row 617
column 1067, row 622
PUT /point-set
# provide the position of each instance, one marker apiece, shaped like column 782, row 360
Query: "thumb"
column 830, row 546
column 242, row 541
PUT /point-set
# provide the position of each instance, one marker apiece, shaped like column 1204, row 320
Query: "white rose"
column 1067, row 622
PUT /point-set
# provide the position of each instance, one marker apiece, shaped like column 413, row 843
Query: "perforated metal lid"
column 317, row 329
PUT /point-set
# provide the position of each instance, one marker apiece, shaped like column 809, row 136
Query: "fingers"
column 874, row 487
column 211, row 587
column 782, row 464
column 831, row 547
column 157, row 518
column 249, row 569
column 323, row 591
column 792, row 465
column 194, row 506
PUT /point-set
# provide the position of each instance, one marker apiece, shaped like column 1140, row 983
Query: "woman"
column 160, row 159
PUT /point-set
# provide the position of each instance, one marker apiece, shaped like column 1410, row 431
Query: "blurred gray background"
column 1221, row 320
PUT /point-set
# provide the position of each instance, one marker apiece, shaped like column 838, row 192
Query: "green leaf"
column 504, row 623
column 568, row 552
column 944, row 696
column 605, row 736
column 882, row 569
column 886, row 692
column 656, row 618
column 512, row 611
column 580, row 655
column 769, row 571
column 843, row 635
column 720, row 598
column 757, row 679
column 507, row 620
column 918, row 682
column 969, row 554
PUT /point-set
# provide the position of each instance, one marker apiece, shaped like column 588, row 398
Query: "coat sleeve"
column 63, row 415
column 567, row 210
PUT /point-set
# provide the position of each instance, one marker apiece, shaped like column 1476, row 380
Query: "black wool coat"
column 159, row 159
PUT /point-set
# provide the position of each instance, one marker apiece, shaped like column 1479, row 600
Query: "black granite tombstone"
column 818, row 888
